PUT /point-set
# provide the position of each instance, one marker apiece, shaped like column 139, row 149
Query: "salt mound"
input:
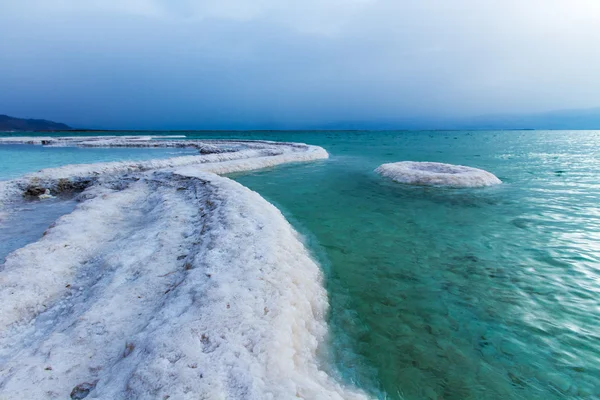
column 437, row 174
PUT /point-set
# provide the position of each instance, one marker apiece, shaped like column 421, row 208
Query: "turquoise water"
column 453, row 293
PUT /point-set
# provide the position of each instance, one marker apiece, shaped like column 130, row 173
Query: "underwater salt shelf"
column 437, row 174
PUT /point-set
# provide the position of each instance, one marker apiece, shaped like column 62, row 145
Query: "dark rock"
column 82, row 390
column 34, row 191
column 129, row 347
column 66, row 185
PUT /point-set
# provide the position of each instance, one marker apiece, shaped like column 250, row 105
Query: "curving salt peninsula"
column 437, row 174
column 166, row 281
column 217, row 156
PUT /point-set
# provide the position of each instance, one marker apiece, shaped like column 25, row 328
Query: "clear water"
column 454, row 293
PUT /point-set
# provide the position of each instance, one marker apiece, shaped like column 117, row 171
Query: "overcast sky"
column 302, row 63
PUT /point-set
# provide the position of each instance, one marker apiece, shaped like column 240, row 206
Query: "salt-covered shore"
column 166, row 281
column 217, row 156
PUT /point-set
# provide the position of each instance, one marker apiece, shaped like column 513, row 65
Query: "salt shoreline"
column 220, row 157
column 166, row 280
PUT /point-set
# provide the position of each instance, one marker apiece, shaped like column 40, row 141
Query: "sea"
column 435, row 293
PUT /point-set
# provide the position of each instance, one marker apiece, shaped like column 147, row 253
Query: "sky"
column 220, row 64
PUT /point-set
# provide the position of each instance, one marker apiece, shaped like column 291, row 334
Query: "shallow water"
column 439, row 293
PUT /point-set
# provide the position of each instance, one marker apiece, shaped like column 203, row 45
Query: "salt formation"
column 166, row 281
column 46, row 195
column 437, row 174
column 218, row 156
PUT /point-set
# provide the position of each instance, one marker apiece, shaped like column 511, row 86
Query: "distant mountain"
column 19, row 124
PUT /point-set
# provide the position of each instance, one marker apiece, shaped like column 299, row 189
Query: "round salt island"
column 437, row 174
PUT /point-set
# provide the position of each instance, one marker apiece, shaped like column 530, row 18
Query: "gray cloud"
column 246, row 64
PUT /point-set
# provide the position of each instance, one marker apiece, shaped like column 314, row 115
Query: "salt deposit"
column 166, row 281
column 437, row 174
column 219, row 156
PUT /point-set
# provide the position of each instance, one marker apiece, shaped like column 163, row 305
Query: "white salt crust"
column 172, row 283
column 221, row 157
column 437, row 174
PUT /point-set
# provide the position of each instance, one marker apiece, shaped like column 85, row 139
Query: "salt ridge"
column 227, row 157
column 170, row 281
